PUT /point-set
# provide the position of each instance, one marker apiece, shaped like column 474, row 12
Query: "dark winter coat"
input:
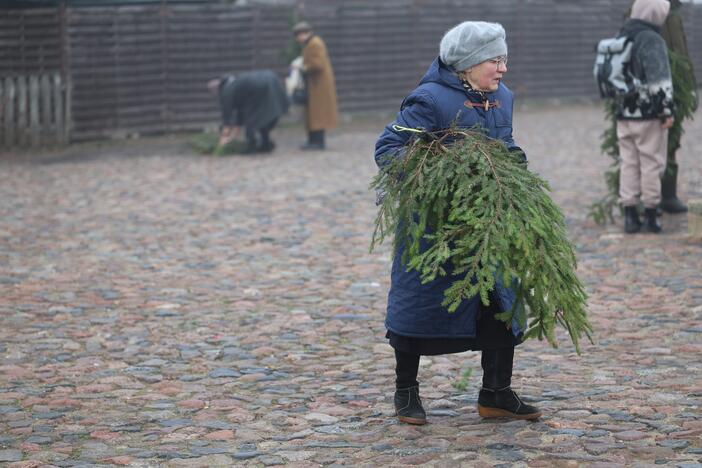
column 653, row 98
column 414, row 309
column 252, row 99
column 675, row 38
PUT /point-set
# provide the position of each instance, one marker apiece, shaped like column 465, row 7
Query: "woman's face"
column 486, row 75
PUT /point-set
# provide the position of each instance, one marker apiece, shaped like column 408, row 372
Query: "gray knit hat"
column 301, row 26
column 471, row 43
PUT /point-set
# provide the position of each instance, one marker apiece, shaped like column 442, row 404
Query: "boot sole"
column 673, row 208
column 486, row 412
column 415, row 421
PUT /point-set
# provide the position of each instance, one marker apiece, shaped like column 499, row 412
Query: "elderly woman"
column 463, row 88
column 320, row 111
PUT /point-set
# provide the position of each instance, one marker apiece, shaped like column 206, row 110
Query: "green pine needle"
column 207, row 143
column 482, row 213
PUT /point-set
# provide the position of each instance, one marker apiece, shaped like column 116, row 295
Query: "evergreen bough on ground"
column 473, row 206
column 685, row 104
column 207, row 143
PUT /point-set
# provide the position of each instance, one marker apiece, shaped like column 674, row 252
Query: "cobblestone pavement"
column 159, row 308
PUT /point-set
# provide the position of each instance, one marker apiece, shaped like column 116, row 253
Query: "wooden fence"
column 33, row 110
column 141, row 68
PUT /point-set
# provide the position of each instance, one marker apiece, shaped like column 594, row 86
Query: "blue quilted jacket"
column 440, row 100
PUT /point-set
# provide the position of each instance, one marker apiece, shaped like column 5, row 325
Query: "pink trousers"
column 642, row 149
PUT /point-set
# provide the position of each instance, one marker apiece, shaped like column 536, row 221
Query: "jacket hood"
column 439, row 72
column 653, row 11
column 634, row 26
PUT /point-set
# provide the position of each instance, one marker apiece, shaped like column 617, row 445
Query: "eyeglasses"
column 497, row 61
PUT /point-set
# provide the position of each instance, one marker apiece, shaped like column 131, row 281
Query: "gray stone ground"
column 160, row 308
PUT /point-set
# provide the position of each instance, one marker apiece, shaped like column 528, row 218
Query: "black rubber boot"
column 315, row 141
column 251, row 142
column 408, row 406
column 267, row 145
column 669, row 191
column 497, row 399
column 632, row 223
column 652, row 220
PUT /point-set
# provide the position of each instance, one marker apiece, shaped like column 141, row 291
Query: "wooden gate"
column 33, row 110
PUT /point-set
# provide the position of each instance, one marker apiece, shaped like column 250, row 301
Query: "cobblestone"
column 159, row 308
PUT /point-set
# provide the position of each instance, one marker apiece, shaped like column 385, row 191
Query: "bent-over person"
column 254, row 100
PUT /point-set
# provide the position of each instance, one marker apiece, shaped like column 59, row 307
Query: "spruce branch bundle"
column 473, row 208
column 208, row 143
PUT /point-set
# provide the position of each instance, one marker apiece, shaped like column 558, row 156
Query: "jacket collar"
column 441, row 73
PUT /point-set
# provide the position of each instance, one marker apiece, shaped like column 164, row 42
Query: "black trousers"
column 253, row 143
column 496, row 363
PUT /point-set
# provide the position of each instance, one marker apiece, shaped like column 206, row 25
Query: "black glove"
column 520, row 154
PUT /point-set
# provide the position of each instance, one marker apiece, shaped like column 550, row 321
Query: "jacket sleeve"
column 508, row 138
column 658, row 87
column 417, row 111
column 314, row 56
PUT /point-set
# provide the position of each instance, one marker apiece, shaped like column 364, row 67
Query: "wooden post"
column 21, row 111
column 34, row 109
column 46, row 121
column 58, row 109
column 694, row 218
column 8, row 99
column 67, row 103
column 3, row 104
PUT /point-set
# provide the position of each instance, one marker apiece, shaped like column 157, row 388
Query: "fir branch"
column 473, row 211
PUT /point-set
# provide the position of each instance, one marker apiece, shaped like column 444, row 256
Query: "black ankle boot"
column 669, row 191
column 504, row 403
column 496, row 399
column 408, row 406
column 315, row 141
column 632, row 223
column 652, row 221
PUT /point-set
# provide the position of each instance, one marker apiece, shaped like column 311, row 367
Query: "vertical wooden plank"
column 8, row 97
column 45, row 106
column 67, row 110
column 3, row 105
column 21, row 110
column 58, row 109
column 34, row 109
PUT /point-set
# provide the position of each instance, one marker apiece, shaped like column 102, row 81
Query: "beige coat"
column 321, row 90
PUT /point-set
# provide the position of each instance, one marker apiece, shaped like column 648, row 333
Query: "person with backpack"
column 673, row 33
column 644, row 115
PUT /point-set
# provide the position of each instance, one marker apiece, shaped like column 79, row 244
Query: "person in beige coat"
column 321, row 111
